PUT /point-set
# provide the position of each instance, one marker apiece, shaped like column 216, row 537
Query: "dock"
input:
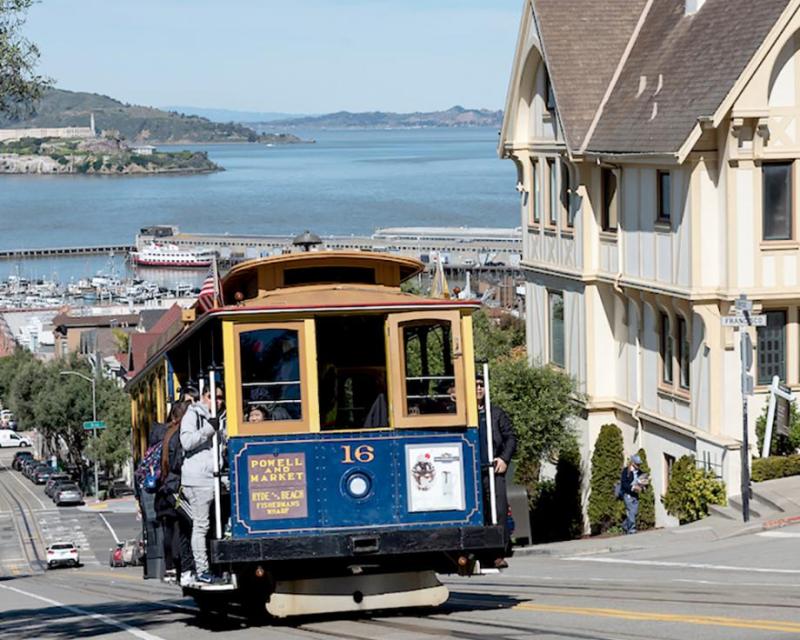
column 61, row 252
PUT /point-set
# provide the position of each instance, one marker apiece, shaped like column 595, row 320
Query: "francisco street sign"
column 94, row 424
column 744, row 321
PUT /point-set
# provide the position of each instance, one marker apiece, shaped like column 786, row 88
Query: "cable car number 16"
column 362, row 453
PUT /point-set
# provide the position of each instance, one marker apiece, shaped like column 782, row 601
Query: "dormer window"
column 550, row 97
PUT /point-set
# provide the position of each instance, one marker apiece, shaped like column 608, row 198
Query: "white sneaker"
column 187, row 579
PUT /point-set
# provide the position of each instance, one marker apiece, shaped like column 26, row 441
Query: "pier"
column 61, row 252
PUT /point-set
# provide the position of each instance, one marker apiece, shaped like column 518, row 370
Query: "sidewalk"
column 783, row 494
column 118, row 505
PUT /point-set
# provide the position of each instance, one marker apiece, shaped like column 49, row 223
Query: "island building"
column 50, row 132
column 656, row 144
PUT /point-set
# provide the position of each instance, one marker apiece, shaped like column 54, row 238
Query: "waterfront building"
column 656, row 144
column 50, row 132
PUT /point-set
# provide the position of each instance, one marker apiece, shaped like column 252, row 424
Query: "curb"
column 780, row 522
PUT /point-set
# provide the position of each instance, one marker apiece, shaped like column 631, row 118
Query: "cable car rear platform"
column 355, row 544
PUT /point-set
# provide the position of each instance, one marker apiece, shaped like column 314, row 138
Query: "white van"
column 9, row 438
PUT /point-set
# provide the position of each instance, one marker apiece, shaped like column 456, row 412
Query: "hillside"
column 137, row 124
column 454, row 117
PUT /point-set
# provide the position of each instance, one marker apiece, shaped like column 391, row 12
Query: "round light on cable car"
column 358, row 485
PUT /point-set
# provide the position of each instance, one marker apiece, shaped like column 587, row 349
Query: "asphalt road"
column 744, row 587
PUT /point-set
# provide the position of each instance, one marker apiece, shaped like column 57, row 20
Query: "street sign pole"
column 743, row 346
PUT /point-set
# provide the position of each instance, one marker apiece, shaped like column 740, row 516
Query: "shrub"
column 646, row 516
column 775, row 467
column 605, row 510
column 781, row 445
column 569, row 505
column 691, row 490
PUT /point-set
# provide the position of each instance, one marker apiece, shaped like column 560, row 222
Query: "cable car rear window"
column 271, row 389
column 429, row 376
column 319, row 275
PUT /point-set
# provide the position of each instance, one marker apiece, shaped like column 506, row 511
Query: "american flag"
column 210, row 291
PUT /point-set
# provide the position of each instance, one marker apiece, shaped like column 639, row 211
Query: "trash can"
column 153, row 537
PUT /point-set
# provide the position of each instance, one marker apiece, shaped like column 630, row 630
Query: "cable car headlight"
column 358, row 485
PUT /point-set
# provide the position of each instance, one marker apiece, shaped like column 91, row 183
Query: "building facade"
column 657, row 145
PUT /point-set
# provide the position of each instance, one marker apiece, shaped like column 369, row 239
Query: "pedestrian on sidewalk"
column 630, row 487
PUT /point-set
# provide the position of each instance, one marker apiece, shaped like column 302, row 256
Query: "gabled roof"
column 583, row 43
column 644, row 70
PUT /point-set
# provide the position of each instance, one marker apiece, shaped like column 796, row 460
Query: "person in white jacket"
column 197, row 475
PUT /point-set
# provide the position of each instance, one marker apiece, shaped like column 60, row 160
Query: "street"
column 742, row 587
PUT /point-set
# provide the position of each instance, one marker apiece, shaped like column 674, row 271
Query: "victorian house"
column 656, row 145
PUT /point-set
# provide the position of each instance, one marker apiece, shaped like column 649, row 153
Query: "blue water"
column 348, row 182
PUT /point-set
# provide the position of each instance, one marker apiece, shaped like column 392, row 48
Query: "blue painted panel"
column 316, row 483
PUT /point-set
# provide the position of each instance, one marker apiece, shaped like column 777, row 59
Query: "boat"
column 169, row 255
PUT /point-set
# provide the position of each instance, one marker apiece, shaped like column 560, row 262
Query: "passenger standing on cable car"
column 504, row 442
column 197, row 475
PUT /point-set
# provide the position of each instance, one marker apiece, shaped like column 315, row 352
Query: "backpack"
column 618, row 490
column 148, row 473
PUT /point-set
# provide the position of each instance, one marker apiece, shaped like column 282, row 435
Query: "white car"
column 63, row 553
column 9, row 438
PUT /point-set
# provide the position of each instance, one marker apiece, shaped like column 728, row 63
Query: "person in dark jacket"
column 504, row 442
column 177, row 528
column 630, row 493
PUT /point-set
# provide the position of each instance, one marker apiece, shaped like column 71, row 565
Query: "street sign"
column 745, row 321
column 782, row 416
column 743, row 304
column 91, row 425
column 747, row 384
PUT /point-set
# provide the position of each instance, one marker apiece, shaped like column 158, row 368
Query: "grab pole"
column 489, row 442
column 212, row 381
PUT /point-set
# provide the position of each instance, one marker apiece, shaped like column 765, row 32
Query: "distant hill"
column 232, row 115
column 454, row 117
column 60, row 108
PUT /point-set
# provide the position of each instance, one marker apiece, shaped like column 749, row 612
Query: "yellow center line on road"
column 649, row 616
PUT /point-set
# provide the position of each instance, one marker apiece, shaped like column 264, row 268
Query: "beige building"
column 656, row 143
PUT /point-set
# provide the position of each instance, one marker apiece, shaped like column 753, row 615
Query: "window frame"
column 684, row 339
column 663, row 217
column 565, row 196
column 396, row 367
column 609, row 210
column 551, row 293
column 791, row 202
column 535, row 215
column 306, row 346
column 761, row 381
column 549, row 95
column 552, row 193
column 665, row 339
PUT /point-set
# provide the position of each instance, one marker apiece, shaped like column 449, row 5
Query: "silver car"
column 68, row 494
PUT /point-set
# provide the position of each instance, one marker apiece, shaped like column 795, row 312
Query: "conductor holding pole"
column 504, row 444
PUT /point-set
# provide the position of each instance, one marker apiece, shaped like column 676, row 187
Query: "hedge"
column 775, row 467
column 605, row 510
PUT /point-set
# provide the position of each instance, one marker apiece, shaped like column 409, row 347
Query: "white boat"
column 169, row 255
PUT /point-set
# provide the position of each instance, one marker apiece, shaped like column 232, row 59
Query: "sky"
column 294, row 56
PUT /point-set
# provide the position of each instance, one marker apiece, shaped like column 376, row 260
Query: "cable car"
column 352, row 442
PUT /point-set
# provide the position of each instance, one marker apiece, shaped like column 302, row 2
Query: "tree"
column 20, row 86
column 646, row 516
column 496, row 339
column 605, row 510
column 540, row 401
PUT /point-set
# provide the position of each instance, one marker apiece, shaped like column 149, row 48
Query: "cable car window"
column 429, row 375
column 270, row 369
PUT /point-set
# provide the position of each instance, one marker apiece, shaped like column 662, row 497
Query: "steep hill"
column 454, row 117
column 60, row 108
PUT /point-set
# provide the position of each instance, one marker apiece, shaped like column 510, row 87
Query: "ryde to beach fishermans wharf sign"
column 278, row 486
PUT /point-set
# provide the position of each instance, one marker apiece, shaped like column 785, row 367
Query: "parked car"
column 19, row 456
column 26, row 466
column 116, row 556
column 68, row 494
column 42, row 474
column 63, row 553
column 54, row 479
column 129, row 552
column 9, row 438
column 119, row 489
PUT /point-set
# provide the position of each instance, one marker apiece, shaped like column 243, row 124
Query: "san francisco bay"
column 348, row 182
